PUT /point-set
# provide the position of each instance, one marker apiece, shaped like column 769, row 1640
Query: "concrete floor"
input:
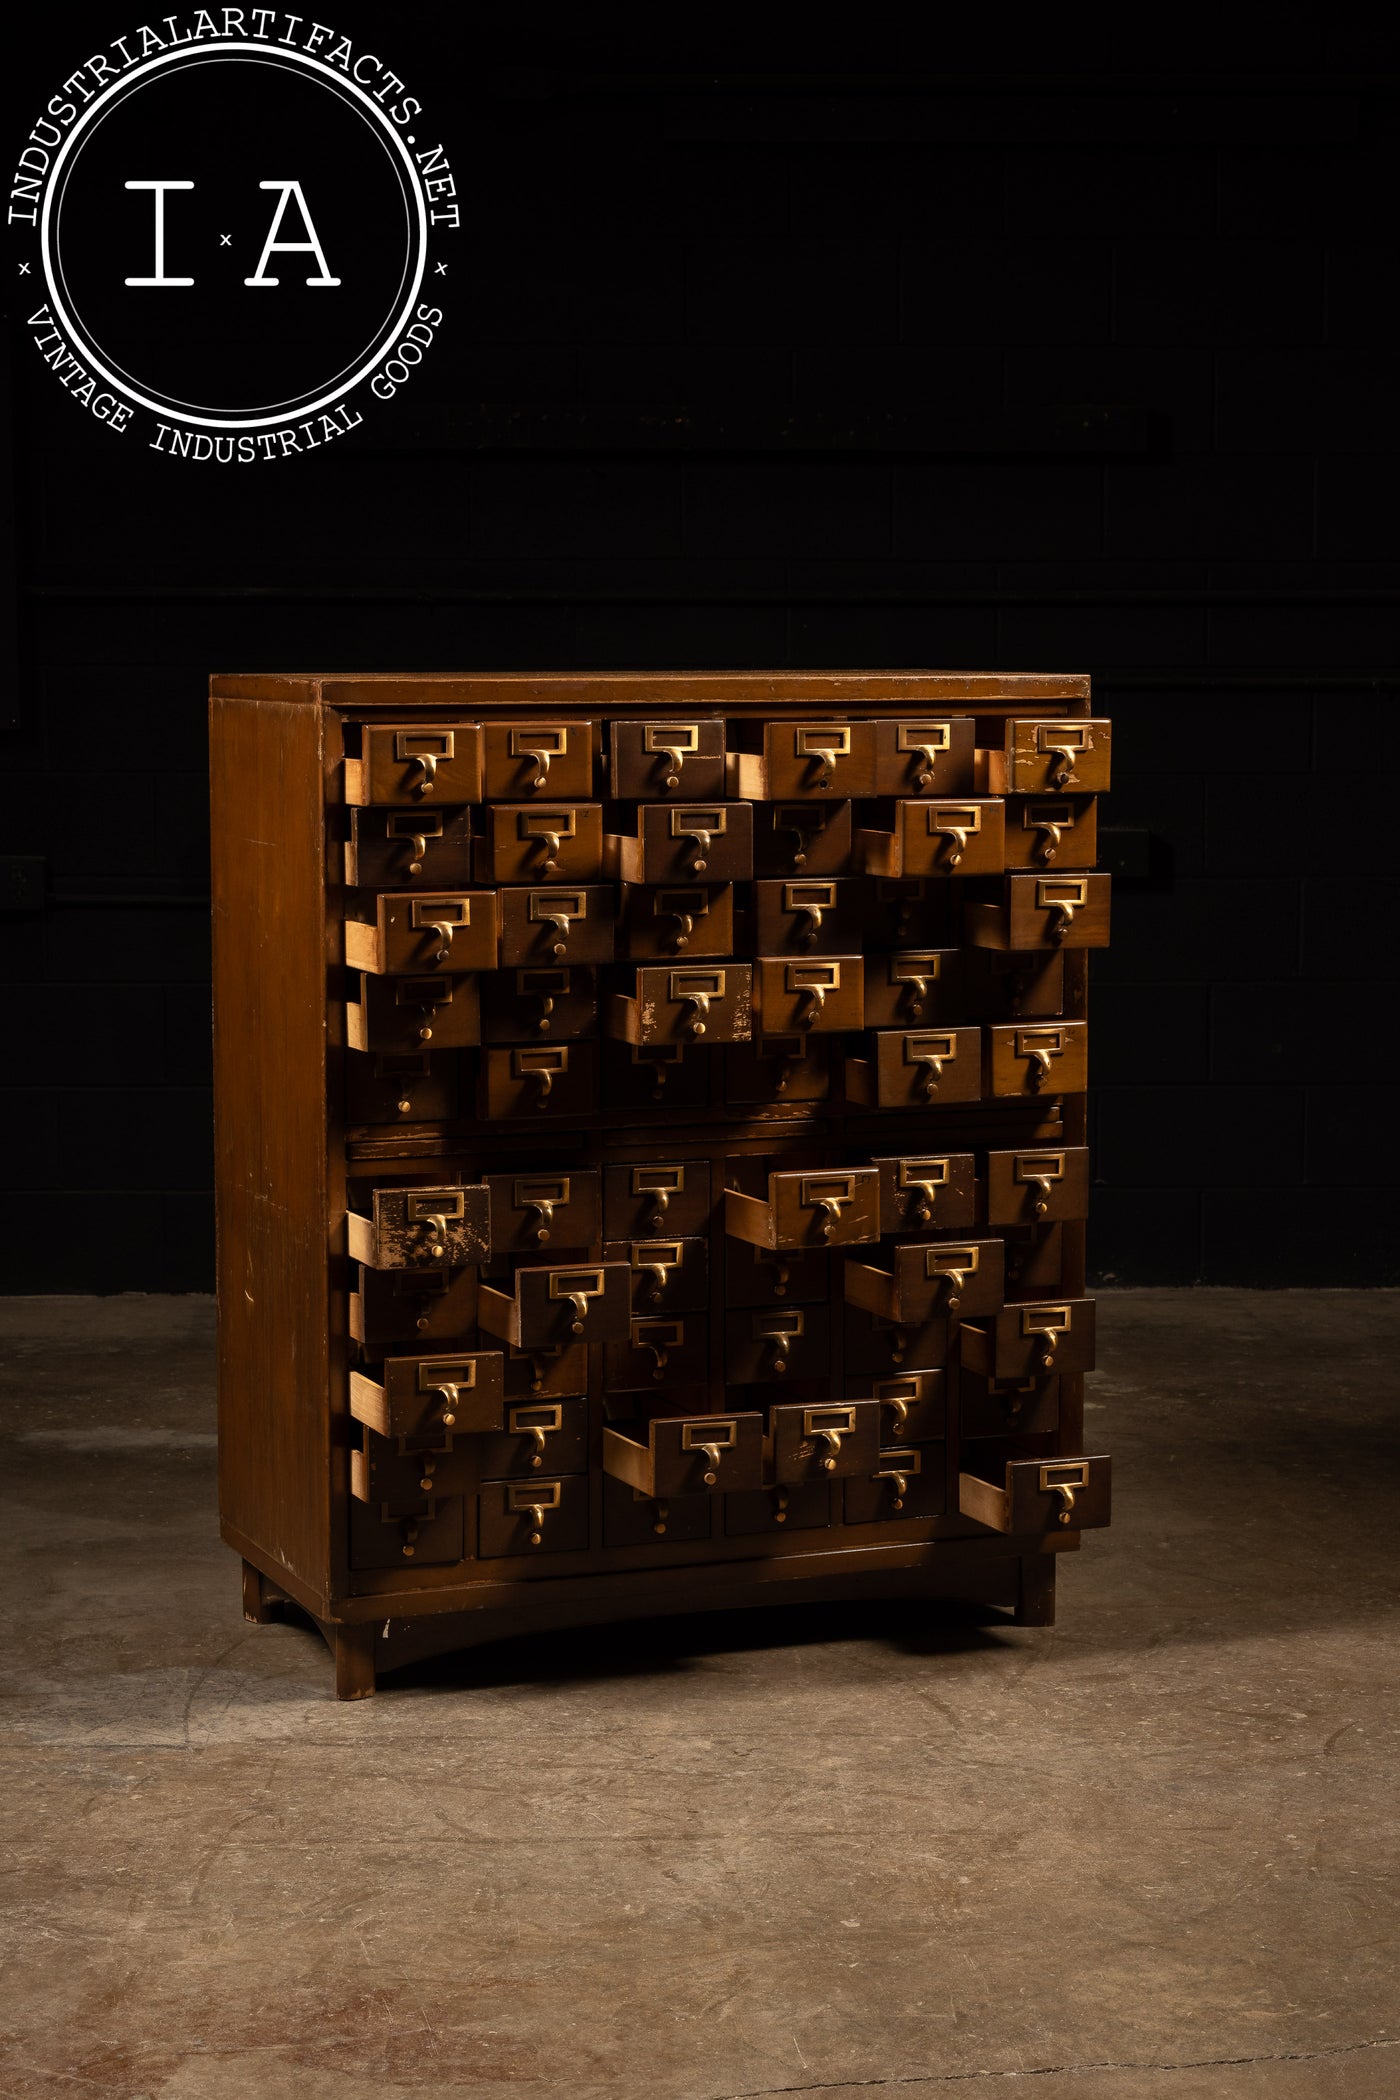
column 1147, row 1855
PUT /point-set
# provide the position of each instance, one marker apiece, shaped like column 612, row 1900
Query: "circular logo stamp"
column 233, row 224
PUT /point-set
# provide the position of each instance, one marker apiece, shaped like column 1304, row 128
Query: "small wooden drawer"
column 966, row 836
column 810, row 915
column 908, row 1480
column 431, row 1311
column 774, row 1276
column 1035, row 1261
column 1052, row 831
column 540, row 758
column 877, row 1348
column 798, row 759
column 1044, row 911
column 910, row 911
column 409, row 762
column 552, row 1374
column 436, row 1538
column 1003, row 986
column 431, row 848
column 1052, row 757
column 422, row 1228
column 925, row 756
column 778, row 1509
column 1030, row 1058
column 668, row 1276
column 694, row 1455
column 927, row 1192
column 630, row 1519
column 685, row 842
column 543, row 1079
column 534, row 1210
column 802, row 838
column 663, row 1197
column 913, row 1405
column 917, row 1068
column 825, row 1440
column 400, row 1087
column 684, row 1003
column 823, row 1207
column 666, row 758
column 1041, row 1494
column 448, row 931
column 1036, row 1183
column 397, row 1482
column 1031, row 1340
column 558, row 923
column 533, row 1516
column 554, row 1308
column 529, row 842
column 912, row 1284
column 553, row 1001
column 1007, row 1406
column 661, row 1349
column 764, row 1344
column 823, row 995
column 775, row 1068
column 537, row 1436
column 395, row 1015
column 666, row 920
column 432, row 1396
column 655, row 1075
column 909, row 987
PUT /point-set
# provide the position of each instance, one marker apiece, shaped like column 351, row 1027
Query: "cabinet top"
column 965, row 690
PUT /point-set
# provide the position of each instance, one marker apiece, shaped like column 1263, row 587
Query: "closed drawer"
column 631, row 1519
column 909, row 1480
column 927, row 1192
column 962, row 836
column 686, row 842
column 824, row 994
column 910, row 911
column 1035, row 1261
column 655, row 1075
column 1037, row 1183
column 533, row 1516
column 709, row 1002
column 556, row 1307
column 684, row 758
column 917, row 1068
column 810, row 915
column 878, row 1348
column 1007, row 1406
column 1044, row 911
column 555, row 1001
column 778, row 1509
column 826, row 760
column 399, row 1483
column 437, row 930
column 1038, row 1057
column 827, row 1440
column 1006, row 987
column 802, row 838
column 1031, row 1341
column 764, row 1344
column 556, row 1079
column 399, row 1014
column 661, row 1349
column 390, row 848
column 660, row 1197
column 776, row 1068
column 407, row 1086
column 435, row 1538
column 555, row 1373
column 408, row 1305
column 545, row 758
column 912, row 1284
column 1040, row 1495
column 909, row 987
column 668, row 1275
column 913, row 1405
column 774, row 1276
column 825, row 1207
column 531, row 1211
column 1052, row 831
column 414, row 762
column 695, row 1455
column 537, row 842
column 558, row 923
column 422, row 1228
column 925, row 756
column 538, row 1436
column 1052, row 757
column 432, row 1396
column 676, row 919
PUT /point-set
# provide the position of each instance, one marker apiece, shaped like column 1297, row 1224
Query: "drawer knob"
column 1047, row 841
column 1064, row 755
column 426, row 762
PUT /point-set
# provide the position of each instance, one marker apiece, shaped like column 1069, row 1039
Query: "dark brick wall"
column 823, row 356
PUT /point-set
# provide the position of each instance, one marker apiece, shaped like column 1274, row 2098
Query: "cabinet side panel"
column 269, row 1125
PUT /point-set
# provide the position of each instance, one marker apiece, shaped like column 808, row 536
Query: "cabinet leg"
column 261, row 1604
column 1035, row 1590
column 353, row 1649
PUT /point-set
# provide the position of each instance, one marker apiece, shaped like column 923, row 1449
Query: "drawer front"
column 668, row 1275
column 909, row 911
column 416, row 762
column 390, row 848
column 662, row 920
column 1046, row 1494
column 544, row 758
column 575, row 1302
column 1037, row 1183
column 909, row 1480
column 810, row 915
column 695, row 842
column 1031, row 1340
column 434, row 1539
column 681, row 758
column 774, row 1068
column 553, row 1374
column 453, row 930
column 802, row 838
column 824, row 995
column 655, row 1076
column 405, row 1305
column 923, row 1068
column 412, row 1086
column 534, row 1210
column 554, row 1001
column 823, row 759
column 909, row 987
column 399, row 1014
column 825, row 1440
column 431, row 1396
column 1058, row 911
column 877, row 1348
column 430, row 1228
column 913, row 1405
column 558, row 1079
column 1007, row 987
column 1052, row 831
column 774, row 1276
column 533, row 1516
column 767, row 1344
column 777, row 1509
column 540, row 1436
column 925, row 756
column 961, row 836
column 1039, row 1057
column 1035, row 1261
column 662, row 1349
column 1007, row 1406
column 659, row 1198
column 934, row 1192
column 401, row 1483
column 529, row 842
column 694, row 1002
column 1057, row 757
column 558, row 923
column 825, row 1207
column 633, row 1519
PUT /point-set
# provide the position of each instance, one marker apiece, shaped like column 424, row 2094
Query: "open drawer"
column 914, row 1284
column 1040, row 1494
column 695, row 1455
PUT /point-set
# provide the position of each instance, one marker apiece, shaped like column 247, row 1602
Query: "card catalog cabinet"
column 651, row 1144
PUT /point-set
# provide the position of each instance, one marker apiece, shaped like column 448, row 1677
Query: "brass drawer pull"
column 1049, row 821
column 423, row 750
column 532, row 744
column 659, row 1337
column 673, row 741
column 931, row 740
column 1040, row 1046
column 450, row 1380
column 1045, row 1324
column 955, row 822
column 695, row 989
column 810, row 899
column 953, row 1265
column 537, row 1422
column 827, row 1193
column 542, row 1197
column 702, row 826
column 534, row 1499
column 540, row 1067
column 711, row 1438
column 1064, row 744
column 778, row 1329
column 557, row 908
column 1039, row 1170
column 828, row 1425
column 1062, row 898
column 932, row 1052
column 656, row 1258
column 1064, row 1481
column 823, row 745
column 577, row 1286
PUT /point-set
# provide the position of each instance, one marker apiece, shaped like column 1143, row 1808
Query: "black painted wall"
column 839, row 356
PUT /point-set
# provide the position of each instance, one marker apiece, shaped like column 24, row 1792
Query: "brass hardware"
column 780, row 1329
column 1064, row 743
column 535, row 1499
column 656, row 1258
column 660, row 1183
column 927, row 1176
column 539, row 745
column 417, row 828
column 802, row 821
column 920, row 969
column 899, row 1468
column 541, row 1194
column 954, row 1265
column 1038, row 1170
column 932, row 1052
column 826, row 1193
column 1039, row 1046
column 557, row 908
column 813, row 981
column 548, row 828
column 685, row 907
column 842, row 1423
column 674, row 741
column 578, row 1286
column 696, row 988
column 1045, row 1323
column 714, row 1439
column 539, row 1067
column 1064, row 1481
column 441, row 916
column 423, row 748
column 548, row 1422
column 702, row 825
column 1062, row 897
column 659, row 1337
column 423, row 992
column 451, row 1380
column 435, row 1208
column 811, row 899
column 1050, row 821
column 930, row 740
column 823, row 743
column 957, row 821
